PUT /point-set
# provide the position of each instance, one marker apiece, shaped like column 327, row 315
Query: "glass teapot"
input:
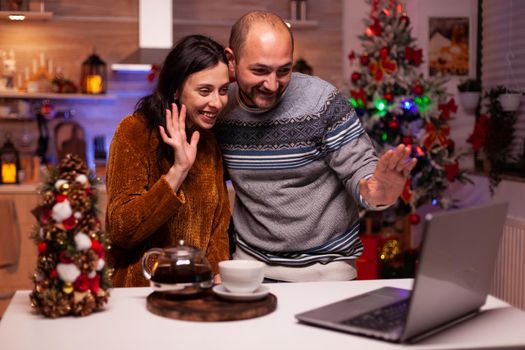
column 180, row 270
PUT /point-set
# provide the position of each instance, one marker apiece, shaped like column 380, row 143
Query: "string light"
column 17, row 17
column 407, row 105
column 380, row 105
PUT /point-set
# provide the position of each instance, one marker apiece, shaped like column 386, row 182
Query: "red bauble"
column 375, row 29
column 53, row 273
column 355, row 76
column 59, row 198
column 394, row 125
column 451, row 146
column 63, row 257
column 364, row 60
column 383, row 53
column 406, row 140
column 69, row 223
column 418, row 90
column 414, row 219
column 81, row 284
column 404, row 20
column 42, row 247
column 389, row 96
column 98, row 248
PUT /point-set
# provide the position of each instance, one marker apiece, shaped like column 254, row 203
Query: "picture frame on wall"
column 448, row 46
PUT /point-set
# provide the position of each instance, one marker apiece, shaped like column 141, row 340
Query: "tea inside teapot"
column 181, row 274
column 178, row 270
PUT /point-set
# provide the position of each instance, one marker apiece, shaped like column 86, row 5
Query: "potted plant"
column 510, row 100
column 469, row 93
column 493, row 134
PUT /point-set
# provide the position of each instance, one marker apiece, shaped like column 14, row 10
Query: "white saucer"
column 259, row 293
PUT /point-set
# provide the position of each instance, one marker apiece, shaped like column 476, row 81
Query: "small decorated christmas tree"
column 71, row 276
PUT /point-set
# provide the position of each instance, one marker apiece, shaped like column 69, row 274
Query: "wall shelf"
column 302, row 23
column 29, row 15
column 56, row 96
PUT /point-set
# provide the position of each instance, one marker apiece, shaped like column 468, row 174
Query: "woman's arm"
column 134, row 210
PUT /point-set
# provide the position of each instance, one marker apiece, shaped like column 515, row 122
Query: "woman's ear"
column 231, row 61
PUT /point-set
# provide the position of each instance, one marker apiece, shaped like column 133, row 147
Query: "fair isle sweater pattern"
column 288, row 144
column 293, row 206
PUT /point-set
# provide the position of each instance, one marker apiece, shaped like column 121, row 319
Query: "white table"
column 126, row 324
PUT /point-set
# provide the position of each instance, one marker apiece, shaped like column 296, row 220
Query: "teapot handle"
column 145, row 269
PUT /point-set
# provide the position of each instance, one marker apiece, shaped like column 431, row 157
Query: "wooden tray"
column 208, row 307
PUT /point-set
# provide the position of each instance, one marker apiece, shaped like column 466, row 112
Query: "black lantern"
column 9, row 163
column 93, row 76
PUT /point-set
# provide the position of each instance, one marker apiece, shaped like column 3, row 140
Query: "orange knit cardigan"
column 144, row 212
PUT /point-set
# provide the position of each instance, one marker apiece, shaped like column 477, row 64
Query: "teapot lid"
column 183, row 250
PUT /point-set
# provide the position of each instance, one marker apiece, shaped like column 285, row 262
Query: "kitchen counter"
column 126, row 324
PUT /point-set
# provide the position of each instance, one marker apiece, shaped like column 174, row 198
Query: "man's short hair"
column 240, row 29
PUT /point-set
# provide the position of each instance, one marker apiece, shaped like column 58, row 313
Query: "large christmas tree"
column 397, row 104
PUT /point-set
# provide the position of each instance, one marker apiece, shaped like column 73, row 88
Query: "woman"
column 162, row 184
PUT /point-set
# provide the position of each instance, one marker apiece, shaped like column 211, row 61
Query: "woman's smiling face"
column 205, row 93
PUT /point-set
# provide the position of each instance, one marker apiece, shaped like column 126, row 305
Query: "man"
column 299, row 160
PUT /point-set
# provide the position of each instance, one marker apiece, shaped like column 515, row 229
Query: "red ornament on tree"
column 451, row 146
column 389, row 96
column 414, row 218
column 375, row 29
column 351, row 56
column 355, row 76
column 394, row 125
column 418, row 90
column 42, row 247
column 407, row 140
column 364, row 60
column 452, row 170
column 383, row 53
column 404, row 20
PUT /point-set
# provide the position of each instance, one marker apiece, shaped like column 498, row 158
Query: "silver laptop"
column 452, row 281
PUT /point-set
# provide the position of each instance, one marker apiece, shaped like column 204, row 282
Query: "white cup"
column 241, row 276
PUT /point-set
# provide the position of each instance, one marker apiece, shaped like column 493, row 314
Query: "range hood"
column 155, row 37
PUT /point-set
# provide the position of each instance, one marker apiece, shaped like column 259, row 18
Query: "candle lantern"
column 9, row 163
column 93, row 76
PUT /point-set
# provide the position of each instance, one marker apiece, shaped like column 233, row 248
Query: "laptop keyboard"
column 383, row 319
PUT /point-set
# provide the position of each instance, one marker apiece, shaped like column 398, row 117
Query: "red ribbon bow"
column 434, row 134
column 379, row 68
column 448, row 107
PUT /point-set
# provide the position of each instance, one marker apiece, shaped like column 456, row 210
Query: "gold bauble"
column 68, row 288
column 64, row 189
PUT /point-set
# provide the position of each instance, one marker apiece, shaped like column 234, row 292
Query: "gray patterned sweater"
column 295, row 170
